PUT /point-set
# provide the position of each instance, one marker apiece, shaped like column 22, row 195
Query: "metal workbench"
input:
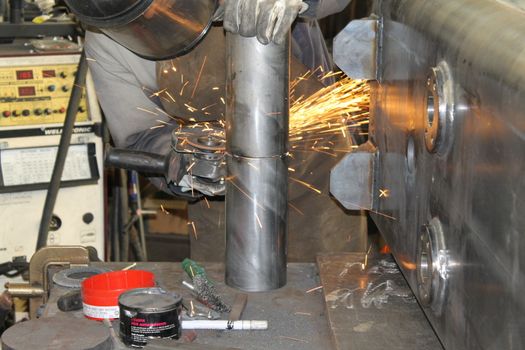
column 299, row 319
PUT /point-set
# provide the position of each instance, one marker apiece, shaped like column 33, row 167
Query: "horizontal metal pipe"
column 24, row 290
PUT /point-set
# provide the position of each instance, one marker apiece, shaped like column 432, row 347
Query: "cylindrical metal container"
column 257, row 92
column 257, row 182
column 256, row 212
column 149, row 313
column 153, row 29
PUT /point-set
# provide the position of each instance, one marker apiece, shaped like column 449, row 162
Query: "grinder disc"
column 57, row 333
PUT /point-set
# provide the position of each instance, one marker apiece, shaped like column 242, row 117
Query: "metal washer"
column 72, row 278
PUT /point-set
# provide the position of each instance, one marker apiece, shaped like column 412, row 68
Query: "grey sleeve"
column 125, row 85
column 322, row 8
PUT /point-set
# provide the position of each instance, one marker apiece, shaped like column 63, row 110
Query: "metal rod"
column 63, row 146
column 16, row 8
column 257, row 143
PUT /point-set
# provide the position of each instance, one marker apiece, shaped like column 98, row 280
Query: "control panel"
column 35, row 88
column 37, row 94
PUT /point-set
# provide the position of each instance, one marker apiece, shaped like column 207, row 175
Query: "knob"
column 6, row 113
column 55, row 223
column 65, row 88
column 63, row 75
column 61, row 110
column 48, row 111
column 38, row 111
column 26, row 112
column 88, row 218
column 16, row 113
column 81, row 109
column 51, row 88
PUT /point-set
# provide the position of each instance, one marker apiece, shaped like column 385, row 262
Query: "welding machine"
column 35, row 86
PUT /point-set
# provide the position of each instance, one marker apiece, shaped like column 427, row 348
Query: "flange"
column 433, row 265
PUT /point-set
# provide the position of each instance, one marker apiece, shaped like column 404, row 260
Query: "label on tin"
column 101, row 311
column 137, row 328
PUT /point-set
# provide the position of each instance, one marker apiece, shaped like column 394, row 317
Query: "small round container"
column 149, row 313
column 100, row 293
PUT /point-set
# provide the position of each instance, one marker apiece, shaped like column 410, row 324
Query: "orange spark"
column 306, row 184
column 194, row 229
column 146, row 110
column 198, row 77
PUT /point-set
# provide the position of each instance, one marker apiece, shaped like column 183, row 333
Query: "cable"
column 65, row 140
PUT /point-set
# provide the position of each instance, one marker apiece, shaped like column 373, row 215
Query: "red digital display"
column 24, row 74
column 49, row 73
column 26, row 91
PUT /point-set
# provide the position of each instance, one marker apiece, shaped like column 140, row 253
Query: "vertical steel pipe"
column 257, row 142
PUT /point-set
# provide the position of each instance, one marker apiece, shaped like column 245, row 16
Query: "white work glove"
column 190, row 183
column 45, row 5
column 206, row 176
column 269, row 20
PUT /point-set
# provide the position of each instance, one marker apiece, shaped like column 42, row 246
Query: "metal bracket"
column 353, row 179
column 38, row 287
column 356, row 49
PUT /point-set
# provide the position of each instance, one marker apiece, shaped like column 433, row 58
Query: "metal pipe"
column 24, row 290
column 63, row 146
column 257, row 143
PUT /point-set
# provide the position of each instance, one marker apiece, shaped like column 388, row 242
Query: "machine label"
column 6, row 134
column 25, row 166
column 76, row 130
column 101, row 312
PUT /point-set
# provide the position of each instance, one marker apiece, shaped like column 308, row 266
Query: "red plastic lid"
column 105, row 288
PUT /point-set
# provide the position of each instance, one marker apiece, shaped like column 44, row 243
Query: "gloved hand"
column 45, row 5
column 186, row 174
column 198, row 173
column 199, row 166
column 269, row 20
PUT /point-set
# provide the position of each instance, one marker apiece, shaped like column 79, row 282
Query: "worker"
column 127, row 87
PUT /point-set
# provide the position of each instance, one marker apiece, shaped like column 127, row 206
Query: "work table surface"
column 296, row 318
column 300, row 316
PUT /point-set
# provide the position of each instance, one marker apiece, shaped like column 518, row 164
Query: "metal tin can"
column 148, row 313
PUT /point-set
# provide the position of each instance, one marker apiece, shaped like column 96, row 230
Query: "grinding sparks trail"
column 164, row 210
column 322, row 122
column 198, row 77
column 295, row 208
column 338, row 110
column 192, row 224
column 258, row 221
column 332, row 110
column 147, row 111
column 305, row 184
